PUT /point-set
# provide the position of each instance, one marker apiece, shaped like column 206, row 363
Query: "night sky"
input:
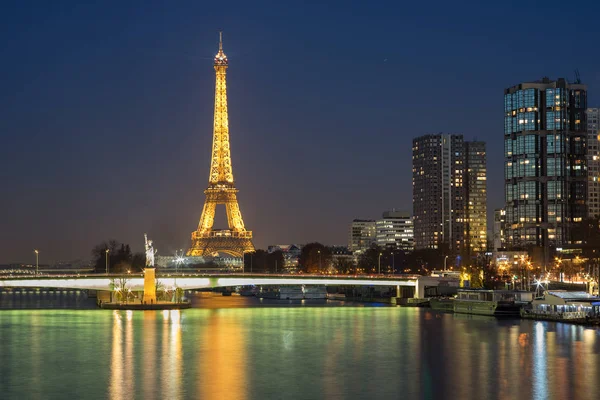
column 106, row 109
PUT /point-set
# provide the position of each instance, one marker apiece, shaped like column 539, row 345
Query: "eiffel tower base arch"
column 209, row 245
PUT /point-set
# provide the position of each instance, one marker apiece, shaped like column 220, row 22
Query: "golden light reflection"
column 129, row 359
column 116, row 364
column 171, row 360
column 150, row 371
column 223, row 367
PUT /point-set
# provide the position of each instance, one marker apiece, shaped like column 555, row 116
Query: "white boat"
column 283, row 293
column 291, row 293
column 315, row 292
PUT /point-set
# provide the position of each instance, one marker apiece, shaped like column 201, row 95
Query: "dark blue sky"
column 106, row 109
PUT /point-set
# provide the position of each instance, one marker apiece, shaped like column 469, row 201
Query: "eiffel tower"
column 236, row 240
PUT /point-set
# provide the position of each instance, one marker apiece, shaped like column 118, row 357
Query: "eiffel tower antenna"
column 236, row 240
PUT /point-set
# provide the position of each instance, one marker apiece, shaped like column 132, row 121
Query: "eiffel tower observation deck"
column 236, row 240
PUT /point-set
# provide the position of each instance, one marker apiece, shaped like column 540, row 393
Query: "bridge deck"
column 199, row 281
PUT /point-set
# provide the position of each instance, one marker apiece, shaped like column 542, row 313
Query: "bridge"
column 135, row 282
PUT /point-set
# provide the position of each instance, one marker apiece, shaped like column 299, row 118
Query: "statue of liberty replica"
column 150, row 252
column 149, row 274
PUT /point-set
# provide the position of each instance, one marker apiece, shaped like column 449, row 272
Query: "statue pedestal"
column 149, row 286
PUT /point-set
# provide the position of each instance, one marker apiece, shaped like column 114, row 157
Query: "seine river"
column 238, row 348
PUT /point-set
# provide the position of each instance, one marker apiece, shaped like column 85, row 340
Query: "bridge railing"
column 212, row 274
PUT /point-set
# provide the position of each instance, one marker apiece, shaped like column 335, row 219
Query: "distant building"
column 395, row 229
column 341, row 255
column 499, row 229
column 362, row 234
column 449, row 193
column 291, row 255
column 545, row 173
column 476, row 197
column 439, row 192
column 593, row 161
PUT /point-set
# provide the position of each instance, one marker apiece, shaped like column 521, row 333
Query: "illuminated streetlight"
column 319, row 251
column 106, row 251
column 379, row 266
column 37, row 253
column 178, row 261
column 445, row 259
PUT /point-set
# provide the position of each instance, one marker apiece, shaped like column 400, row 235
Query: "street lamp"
column 319, row 251
column 106, row 252
column 379, row 266
column 559, row 265
column 37, row 253
column 445, row 259
column 179, row 260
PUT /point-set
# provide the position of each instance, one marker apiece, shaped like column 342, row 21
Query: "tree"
column 315, row 258
column 261, row 261
column 369, row 260
column 344, row 265
column 275, row 262
column 119, row 257
column 121, row 289
column 423, row 261
column 138, row 262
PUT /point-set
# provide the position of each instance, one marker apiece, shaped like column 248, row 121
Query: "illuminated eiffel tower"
column 236, row 240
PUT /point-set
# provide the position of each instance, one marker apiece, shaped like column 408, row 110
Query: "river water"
column 238, row 348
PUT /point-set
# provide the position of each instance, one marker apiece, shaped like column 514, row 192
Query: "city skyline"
column 109, row 134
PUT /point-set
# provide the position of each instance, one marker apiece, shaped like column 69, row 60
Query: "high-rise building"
column 439, row 192
column 476, row 197
column 395, row 229
column 545, row 162
column 499, row 229
column 362, row 234
column 593, row 161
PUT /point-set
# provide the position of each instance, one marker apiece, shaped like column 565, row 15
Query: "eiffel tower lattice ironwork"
column 236, row 240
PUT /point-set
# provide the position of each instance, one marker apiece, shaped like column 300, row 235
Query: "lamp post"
column 178, row 260
column 37, row 253
column 393, row 262
column 559, row 265
column 319, row 251
column 106, row 252
column 445, row 259
column 379, row 264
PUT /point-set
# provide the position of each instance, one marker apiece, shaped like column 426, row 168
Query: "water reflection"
column 282, row 352
column 224, row 363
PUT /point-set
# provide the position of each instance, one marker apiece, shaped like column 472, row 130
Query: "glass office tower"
column 545, row 162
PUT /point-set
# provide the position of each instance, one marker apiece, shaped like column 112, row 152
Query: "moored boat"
column 562, row 305
column 442, row 303
column 498, row 303
column 315, row 292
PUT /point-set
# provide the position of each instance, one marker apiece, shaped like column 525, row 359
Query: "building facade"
column 395, row 229
column 476, row 197
column 545, row 162
column 593, row 161
column 499, row 229
column 449, row 193
column 362, row 235
column 291, row 255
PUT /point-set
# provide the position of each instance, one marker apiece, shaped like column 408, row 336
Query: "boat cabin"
column 495, row 295
column 563, row 301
